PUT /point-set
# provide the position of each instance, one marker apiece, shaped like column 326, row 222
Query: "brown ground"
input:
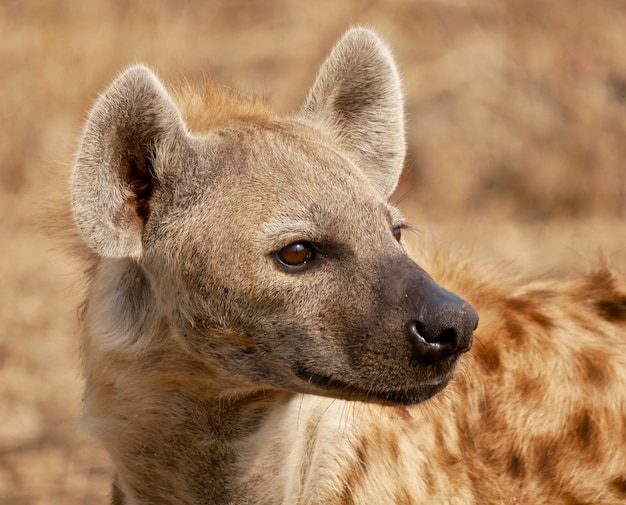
column 517, row 134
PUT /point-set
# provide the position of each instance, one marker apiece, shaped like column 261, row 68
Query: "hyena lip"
column 336, row 388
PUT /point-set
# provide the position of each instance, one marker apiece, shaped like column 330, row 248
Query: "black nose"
column 444, row 328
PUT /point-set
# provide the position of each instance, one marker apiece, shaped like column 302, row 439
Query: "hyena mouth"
column 336, row 388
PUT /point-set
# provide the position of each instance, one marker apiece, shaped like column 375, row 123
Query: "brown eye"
column 296, row 255
column 397, row 233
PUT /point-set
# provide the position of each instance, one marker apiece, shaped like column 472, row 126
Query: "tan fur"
column 195, row 337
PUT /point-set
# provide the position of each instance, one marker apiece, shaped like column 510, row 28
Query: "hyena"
column 256, row 333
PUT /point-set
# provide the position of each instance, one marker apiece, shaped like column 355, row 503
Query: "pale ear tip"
column 363, row 32
column 137, row 76
column 361, row 29
column 364, row 36
column 139, row 70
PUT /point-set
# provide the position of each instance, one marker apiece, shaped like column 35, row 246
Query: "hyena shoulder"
column 542, row 397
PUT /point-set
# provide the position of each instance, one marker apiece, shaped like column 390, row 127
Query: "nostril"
column 428, row 347
column 443, row 334
column 448, row 337
column 438, row 336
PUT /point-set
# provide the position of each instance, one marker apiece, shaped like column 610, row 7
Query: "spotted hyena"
column 255, row 332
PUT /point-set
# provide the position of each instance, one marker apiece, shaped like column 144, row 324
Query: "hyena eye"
column 296, row 255
column 397, row 233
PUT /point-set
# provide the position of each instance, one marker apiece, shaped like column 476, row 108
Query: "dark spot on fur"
column 607, row 301
column 354, row 474
column 613, row 310
column 582, row 429
column 514, row 330
column 619, row 486
column 593, row 368
column 529, row 309
column 515, row 465
column 530, row 389
column 449, row 460
column 544, row 459
column 488, row 357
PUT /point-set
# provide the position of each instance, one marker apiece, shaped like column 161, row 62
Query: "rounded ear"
column 357, row 98
column 114, row 171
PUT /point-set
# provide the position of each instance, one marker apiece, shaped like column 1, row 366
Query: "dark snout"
column 443, row 325
column 440, row 324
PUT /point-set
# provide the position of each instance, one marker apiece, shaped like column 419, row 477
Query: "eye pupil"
column 397, row 234
column 296, row 254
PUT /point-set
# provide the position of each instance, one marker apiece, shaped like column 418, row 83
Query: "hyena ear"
column 357, row 97
column 115, row 169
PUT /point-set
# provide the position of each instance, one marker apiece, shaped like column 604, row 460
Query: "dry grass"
column 517, row 129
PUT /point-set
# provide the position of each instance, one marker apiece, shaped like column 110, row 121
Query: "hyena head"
column 264, row 246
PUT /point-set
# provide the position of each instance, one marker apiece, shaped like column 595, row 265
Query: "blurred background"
column 517, row 151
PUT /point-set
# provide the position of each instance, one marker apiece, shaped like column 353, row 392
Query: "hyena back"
column 255, row 332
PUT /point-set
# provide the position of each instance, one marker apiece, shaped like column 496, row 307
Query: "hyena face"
column 266, row 246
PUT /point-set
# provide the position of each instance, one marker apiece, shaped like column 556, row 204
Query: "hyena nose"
column 444, row 331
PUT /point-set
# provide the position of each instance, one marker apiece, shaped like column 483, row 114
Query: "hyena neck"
column 150, row 396
column 170, row 427
column 197, row 444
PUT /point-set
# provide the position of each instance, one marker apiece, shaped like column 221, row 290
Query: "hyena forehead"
column 285, row 180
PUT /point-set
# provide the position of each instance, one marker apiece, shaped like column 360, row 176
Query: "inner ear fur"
column 114, row 171
column 357, row 98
